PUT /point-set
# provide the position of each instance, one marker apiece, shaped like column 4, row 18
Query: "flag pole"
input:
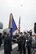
column 11, row 16
column 10, row 25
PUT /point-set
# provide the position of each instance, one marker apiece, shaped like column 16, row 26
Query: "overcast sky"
column 24, row 8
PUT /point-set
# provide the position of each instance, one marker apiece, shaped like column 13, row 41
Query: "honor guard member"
column 7, row 44
column 29, row 43
column 21, row 41
column 24, row 43
column 0, row 39
column 18, row 41
column 30, row 32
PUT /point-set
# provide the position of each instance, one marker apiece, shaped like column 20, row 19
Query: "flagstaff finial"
column 11, row 14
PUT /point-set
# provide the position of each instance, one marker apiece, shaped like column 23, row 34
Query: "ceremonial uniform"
column 29, row 44
column 24, row 45
column 21, row 41
column 7, row 45
column 0, row 39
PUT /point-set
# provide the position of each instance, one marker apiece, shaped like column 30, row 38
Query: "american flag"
column 19, row 25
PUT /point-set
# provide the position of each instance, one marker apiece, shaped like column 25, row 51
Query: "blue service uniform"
column 24, row 47
column 20, row 42
column 7, row 45
column 0, row 39
column 29, row 44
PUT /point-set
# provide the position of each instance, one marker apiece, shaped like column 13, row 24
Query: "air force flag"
column 12, row 24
